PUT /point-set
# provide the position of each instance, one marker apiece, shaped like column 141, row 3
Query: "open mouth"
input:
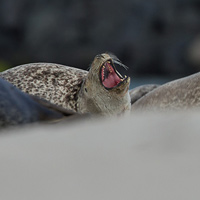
column 109, row 76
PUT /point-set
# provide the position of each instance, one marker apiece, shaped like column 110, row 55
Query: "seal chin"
column 109, row 77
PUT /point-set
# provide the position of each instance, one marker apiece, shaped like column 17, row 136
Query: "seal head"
column 104, row 91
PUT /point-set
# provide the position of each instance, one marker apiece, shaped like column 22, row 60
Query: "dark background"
column 152, row 37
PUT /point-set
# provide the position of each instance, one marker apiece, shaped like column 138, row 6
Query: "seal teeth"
column 103, row 73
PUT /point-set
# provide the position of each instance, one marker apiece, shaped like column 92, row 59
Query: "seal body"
column 179, row 94
column 102, row 90
column 56, row 83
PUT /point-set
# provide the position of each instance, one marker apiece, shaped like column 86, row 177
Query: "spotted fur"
column 56, row 83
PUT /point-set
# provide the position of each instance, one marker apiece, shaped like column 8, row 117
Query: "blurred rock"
column 150, row 36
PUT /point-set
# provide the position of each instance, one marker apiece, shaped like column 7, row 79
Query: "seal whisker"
column 119, row 63
column 116, row 60
column 88, row 68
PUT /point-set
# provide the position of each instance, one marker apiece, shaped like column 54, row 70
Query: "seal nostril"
column 86, row 89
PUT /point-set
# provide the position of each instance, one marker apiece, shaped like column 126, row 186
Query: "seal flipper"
column 140, row 91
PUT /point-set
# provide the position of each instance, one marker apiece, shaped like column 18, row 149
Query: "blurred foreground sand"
column 149, row 156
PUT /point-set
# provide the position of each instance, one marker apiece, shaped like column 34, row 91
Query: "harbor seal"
column 102, row 90
column 179, row 94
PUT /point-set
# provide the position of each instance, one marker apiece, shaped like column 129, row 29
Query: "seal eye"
column 109, row 76
column 85, row 89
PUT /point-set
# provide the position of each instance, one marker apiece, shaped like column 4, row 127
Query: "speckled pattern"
column 57, row 83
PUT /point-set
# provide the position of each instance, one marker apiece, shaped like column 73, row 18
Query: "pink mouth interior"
column 109, row 77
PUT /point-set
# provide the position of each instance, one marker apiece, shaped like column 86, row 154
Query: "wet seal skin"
column 102, row 90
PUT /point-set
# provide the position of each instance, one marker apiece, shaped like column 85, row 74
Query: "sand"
column 144, row 156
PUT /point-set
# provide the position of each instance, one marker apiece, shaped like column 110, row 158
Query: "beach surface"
column 142, row 156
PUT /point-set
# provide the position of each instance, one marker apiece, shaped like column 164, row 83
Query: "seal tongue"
column 109, row 77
